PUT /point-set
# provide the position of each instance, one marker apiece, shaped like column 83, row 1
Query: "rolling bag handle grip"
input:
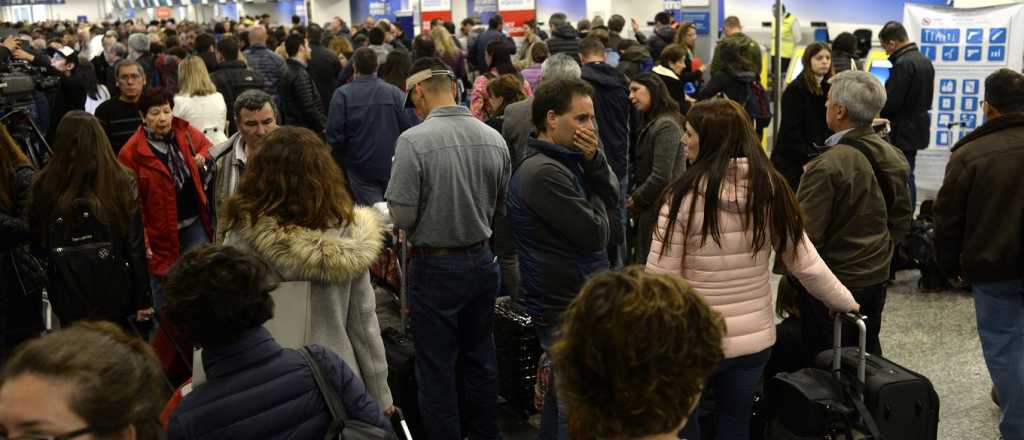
column 837, row 342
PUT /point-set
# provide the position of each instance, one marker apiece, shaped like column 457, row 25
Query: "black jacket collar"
column 912, row 47
column 252, row 347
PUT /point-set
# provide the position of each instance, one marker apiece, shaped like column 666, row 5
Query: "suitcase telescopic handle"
column 837, row 343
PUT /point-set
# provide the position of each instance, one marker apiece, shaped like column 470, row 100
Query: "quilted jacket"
column 733, row 280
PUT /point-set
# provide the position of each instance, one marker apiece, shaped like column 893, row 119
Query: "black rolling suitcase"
column 519, row 352
column 903, row 403
column 823, row 402
column 401, row 357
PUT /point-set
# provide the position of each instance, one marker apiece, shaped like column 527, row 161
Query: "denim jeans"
column 365, row 192
column 554, row 420
column 912, row 160
column 452, row 304
column 1000, row 313
column 733, row 384
column 189, row 237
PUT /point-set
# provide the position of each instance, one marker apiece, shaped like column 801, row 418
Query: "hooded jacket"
column 565, row 40
column 559, row 207
column 734, row 280
column 611, row 105
column 663, row 36
column 635, row 60
column 336, row 262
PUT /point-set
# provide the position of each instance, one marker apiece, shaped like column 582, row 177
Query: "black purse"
column 341, row 426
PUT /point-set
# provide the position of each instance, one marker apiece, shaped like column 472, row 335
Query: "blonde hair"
column 444, row 42
column 194, row 78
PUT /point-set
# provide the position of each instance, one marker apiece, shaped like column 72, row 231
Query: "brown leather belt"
column 425, row 251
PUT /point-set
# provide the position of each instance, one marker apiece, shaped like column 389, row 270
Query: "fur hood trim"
column 332, row 256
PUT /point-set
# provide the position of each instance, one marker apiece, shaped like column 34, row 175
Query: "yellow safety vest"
column 788, row 42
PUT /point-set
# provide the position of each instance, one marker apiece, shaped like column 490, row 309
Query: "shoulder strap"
column 883, row 183
column 328, row 392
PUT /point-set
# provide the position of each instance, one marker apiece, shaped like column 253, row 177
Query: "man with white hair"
column 857, row 207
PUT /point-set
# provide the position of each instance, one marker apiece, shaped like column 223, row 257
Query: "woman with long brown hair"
column 803, row 123
column 84, row 195
column 719, row 223
column 21, row 277
column 292, row 211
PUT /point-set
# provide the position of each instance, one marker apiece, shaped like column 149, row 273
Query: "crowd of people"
column 205, row 178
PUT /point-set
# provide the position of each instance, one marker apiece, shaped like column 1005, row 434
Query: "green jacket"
column 845, row 211
column 748, row 49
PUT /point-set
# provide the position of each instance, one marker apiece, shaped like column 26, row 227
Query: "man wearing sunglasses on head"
column 447, row 182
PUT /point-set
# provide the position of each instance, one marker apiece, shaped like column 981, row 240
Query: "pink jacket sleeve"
column 807, row 266
column 672, row 260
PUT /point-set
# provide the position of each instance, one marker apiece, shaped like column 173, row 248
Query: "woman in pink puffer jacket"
column 726, row 257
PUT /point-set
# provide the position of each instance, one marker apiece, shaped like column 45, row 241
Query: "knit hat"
column 139, row 42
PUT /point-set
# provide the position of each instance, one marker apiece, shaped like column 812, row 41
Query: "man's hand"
column 632, row 209
column 390, row 411
column 585, row 140
column 635, row 24
column 21, row 54
column 11, row 43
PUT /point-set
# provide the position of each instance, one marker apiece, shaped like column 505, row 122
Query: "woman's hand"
column 200, row 160
column 390, row 411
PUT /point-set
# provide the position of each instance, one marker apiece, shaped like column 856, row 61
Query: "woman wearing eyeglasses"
column 90, row 381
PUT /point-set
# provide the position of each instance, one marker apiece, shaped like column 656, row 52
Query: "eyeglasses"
column 68, row 436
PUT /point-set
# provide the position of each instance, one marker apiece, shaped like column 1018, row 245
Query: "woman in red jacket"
column 166, row 154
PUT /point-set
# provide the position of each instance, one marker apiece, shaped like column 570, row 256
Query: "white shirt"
column 207, row 113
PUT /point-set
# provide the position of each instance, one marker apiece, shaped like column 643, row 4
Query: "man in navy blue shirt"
column 363, row 122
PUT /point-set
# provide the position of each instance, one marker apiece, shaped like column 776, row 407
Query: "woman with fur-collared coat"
column 292, row 211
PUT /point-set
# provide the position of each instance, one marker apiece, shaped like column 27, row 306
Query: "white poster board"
column 965, row 45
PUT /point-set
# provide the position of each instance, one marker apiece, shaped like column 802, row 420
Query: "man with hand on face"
column 562, row 200
column 255, row 117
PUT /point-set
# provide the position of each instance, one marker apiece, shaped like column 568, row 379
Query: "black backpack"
column 758, row 106
column 88, row 275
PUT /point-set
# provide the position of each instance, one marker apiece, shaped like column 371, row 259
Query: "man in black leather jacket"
column 300, row 100
column 233, row 77
column 910, row 88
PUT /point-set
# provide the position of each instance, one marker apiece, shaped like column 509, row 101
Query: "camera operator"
column 77, row 81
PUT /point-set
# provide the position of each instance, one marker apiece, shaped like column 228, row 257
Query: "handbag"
column 341, row 426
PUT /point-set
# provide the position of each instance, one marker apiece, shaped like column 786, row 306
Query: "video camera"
column 19, row 84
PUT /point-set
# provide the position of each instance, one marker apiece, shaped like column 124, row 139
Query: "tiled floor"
column 932, row 333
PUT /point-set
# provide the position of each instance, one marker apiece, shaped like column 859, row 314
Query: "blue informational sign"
column 947, row 86
column 971, row 86
column 969, row 104
column 929, row 51
column 940, row 36
column 973, row 53
column 485, row 9
column 975, row 36
column 945, row 119
column 997, row 53
column 950, row 53
column 997, row 36
column 947, row 103
column 700, row 19
column 942, row 138
column 969, row 120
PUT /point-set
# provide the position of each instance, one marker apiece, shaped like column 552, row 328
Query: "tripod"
column 26, row 133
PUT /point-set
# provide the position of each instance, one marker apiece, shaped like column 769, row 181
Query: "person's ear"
column 551, row 121
column 127, row 433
